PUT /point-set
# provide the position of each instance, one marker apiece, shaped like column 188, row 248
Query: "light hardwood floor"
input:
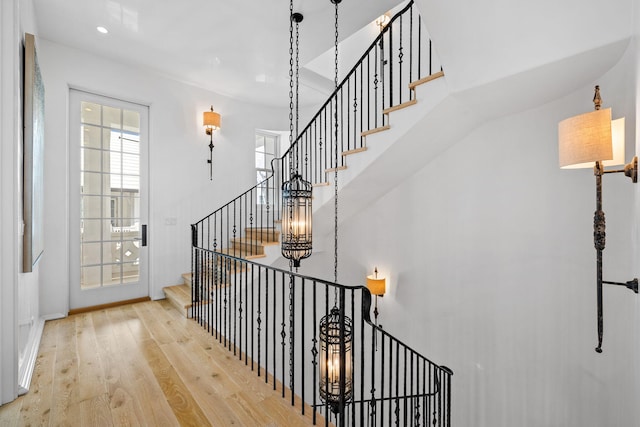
column 143, row 364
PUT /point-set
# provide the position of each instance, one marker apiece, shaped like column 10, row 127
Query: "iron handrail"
column 243, row 304
column 332, row 98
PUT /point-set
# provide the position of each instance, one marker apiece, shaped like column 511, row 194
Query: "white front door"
column 109, row 204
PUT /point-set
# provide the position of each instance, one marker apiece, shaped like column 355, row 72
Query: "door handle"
column 144, row 234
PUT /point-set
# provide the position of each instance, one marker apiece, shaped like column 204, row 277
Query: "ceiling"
column 237, row 48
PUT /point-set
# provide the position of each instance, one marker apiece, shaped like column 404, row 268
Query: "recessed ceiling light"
column 102, row 30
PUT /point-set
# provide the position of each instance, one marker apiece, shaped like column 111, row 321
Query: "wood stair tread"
column 263, row 234
column 375, row 130
column 254, row 242
column 239, row 253
column 180, row 297
column 354, row 151
column 400, row 106
column 320, row 184
column 339, row 168
column 426, row 79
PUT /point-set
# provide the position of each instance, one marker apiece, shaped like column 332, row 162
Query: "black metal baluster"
column 291, row 339
column 361, row 106
column 266, row 324
column 390, row 65
column 368, row 94
column 275, row 314
column 397, row 410
column 283, row 334
column 355, row 107
column 341, row 124
column 404, row 383
column 382, row 360
column 400, row 61
column 372, row 404
column 314, row 351
column 411, row 49
column 259, row 320
column 347, row 117
column 302, row 347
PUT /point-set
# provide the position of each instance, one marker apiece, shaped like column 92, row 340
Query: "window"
column 266, row 150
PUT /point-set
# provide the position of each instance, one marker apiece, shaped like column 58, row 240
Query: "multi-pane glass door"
column 109, row 204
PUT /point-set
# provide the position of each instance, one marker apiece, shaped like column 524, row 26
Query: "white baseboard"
column 28, row 363
column 54, row 316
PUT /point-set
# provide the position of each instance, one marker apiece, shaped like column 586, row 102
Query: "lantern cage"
column 335, row 352
column 296, row 219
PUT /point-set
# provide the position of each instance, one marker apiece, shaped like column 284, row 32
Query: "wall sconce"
column 211, row 122
column 336, row 375
column 593, row 140
column 377, row 286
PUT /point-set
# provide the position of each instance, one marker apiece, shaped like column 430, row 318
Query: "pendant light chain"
column 290, row 106
column 297, row 87
column 335, row 259
column 296, row 192
column 290, row 86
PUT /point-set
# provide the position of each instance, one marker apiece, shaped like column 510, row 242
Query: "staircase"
column 250, row 247
column 272, row 319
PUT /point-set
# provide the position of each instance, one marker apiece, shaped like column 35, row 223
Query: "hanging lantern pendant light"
column 336, row 365
column 335, row 360
column 297, row 221
column 297, row 192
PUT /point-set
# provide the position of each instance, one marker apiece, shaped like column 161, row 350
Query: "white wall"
column 28, row 283
column 180, row 186
column 19, row 292
column 480, row 42
column 9, row 109
column 490, row 262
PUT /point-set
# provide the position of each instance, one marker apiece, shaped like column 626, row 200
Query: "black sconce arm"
column 631, row 284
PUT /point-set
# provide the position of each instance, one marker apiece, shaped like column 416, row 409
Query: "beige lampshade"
column 211, row 119
column 585, row 139
column 376, row 285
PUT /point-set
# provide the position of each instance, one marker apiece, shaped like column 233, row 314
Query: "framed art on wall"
column 33, row 158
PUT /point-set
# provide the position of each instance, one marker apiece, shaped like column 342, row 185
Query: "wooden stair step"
column 186, row 279
column 180, row 297
column 251, row 247
column 339, row 168
column 239, row 253
column 354, row 151
column 320, row 184
column 400, row 106
column 375, row 130
column 264, row 234
column 427, row 79
column 234, row 267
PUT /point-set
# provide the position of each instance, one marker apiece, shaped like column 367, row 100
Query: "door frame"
column 79, row 299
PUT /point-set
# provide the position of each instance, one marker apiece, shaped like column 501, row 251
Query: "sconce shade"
column 297, row 221
column 376, row 285
column 211, row 119
column 331, row 370
column 585, row 139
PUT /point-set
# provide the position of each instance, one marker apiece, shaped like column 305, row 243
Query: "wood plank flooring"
column 143, row 364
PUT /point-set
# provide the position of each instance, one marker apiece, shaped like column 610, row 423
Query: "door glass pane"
column 91, row 136
column 91, row 230
column 90, row 113
column 110, row 196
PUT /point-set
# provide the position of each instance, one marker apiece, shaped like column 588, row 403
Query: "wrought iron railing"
column 379, row 81
column 268, row 318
